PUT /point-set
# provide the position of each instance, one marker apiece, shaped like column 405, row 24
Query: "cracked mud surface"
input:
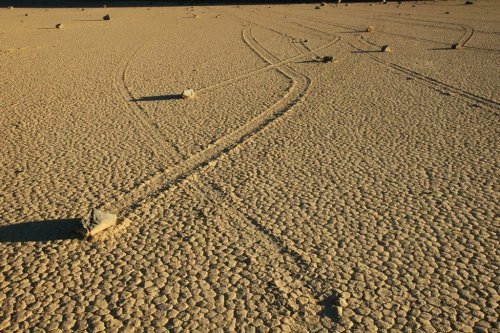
column 285, row 189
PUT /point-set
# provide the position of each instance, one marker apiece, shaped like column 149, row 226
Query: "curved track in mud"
column 164, row 179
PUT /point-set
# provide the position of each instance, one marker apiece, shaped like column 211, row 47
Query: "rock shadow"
column 329, row 304
column 441, row 49
column 313, row 61
column 361, row 51
column 157, row 98
column 40, row 231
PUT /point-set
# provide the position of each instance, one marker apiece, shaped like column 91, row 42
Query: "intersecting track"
column 275, row 65
column 308, row 287
column 320, row 34
column 296, row 268
column 424, row 79
column 468, row 34
column 127, row 202
column 431, row 82
column 142, row 114
column 466, row 37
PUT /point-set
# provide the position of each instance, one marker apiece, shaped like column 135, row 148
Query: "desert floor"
column 290, row 195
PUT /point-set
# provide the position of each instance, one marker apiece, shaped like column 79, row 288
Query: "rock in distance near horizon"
column 326, row 59
column 386, row 48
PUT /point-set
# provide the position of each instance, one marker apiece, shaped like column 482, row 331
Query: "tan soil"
column 289, row 195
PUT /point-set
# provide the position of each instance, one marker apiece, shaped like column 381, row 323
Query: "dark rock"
column 326, row 59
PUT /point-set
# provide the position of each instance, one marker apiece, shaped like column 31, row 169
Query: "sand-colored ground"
column 286, row 191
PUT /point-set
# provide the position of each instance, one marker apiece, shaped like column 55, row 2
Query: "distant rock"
column 326, row 59
column 469, row 3
column 386, row 48
column 25, row 14
column 317, row 7
column 323, row 4
column 59, row 26
column 370, row 28
column 10, row 7
column 106, row 17
column 188, row 93
column 456, row 46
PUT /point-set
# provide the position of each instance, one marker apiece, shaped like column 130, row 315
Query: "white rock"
column 188, row 93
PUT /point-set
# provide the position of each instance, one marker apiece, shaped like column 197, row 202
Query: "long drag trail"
column 163, row 180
